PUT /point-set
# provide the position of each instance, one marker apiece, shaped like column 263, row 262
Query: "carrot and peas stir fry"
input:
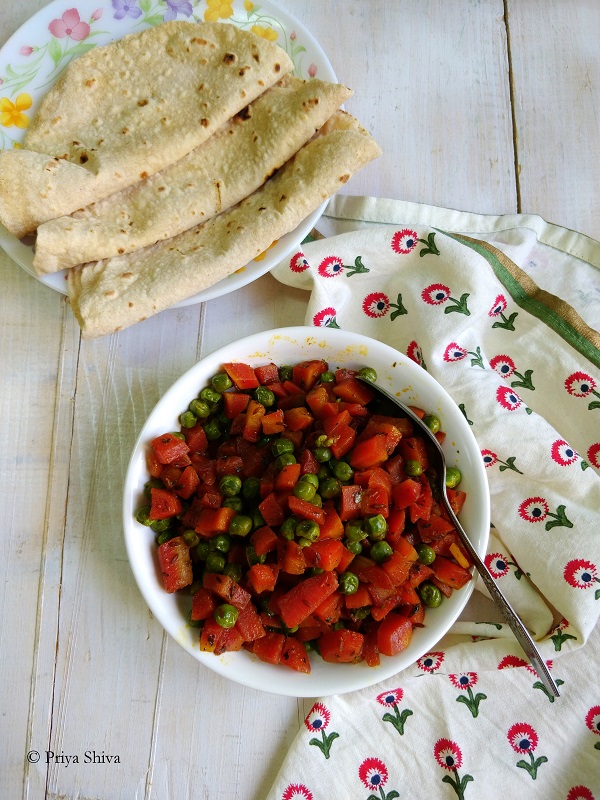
column 298, row 519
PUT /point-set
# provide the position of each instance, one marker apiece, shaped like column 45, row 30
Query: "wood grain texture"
column 83, row 664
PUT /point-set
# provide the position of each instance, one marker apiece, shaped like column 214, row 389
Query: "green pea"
column 348, row 583
column 368, row 374
column 322, row 454
column 308, row 529
column 215, row 562
column 257, row 519
column 199, row 408
column 354, row 530
column 212, row 430
column 315, row 571
column 361, row 613
column 343, row 471
column 195, row 586
column 250, row 488
column 324, row 471
column 309, row 477
column 284, row 459
column 187, row 419
column 210, row 396
column 413, row 468
column 164, row 537
column 285, row 373
column 354, row 547
column 234, row 571
column 221, row 382
column 153, row 483
column 264, row 396
column 304, row 490
column 230, row 485
column 178, row 435
column 240, row 525
column 160, row 525
column 265, row 440
column 430, row 594
column 252, row 557
column 380, row 552
column 376, row 527
column 220, row 543
column 323, row 441
column 194, row 623
column 327, row 376
column 226, row 615
column 288, row 527
column 304, row 542
column 281, row 446
column 202, row 549
column 143, row 516
column 330, row 488
column 191, row 538
column 453, row 477
column 235, row 502
column 432, row 422
column 317, row 501
column 426, row 554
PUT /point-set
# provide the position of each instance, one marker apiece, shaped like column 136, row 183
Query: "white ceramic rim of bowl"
column 342, row 348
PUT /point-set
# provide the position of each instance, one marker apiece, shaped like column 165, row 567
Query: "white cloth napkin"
column 487, row 306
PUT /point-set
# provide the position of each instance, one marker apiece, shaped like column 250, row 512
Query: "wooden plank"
column 431, row 85
column 556, row 67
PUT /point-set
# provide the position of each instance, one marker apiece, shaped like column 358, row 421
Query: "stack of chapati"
column 161, row 163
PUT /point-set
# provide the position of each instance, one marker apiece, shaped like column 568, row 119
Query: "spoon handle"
column 520, row 631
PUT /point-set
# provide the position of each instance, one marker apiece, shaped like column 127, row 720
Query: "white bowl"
column 288, row 346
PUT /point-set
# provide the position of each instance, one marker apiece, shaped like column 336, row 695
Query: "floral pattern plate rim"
column 35, row 55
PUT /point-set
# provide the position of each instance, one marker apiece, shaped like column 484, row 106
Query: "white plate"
column 33, row 58
column 395, row 372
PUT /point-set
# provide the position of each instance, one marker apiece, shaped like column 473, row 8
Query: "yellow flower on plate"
column 218, row 9
column 12, row 113
column 266, row 33
column 248, row 5
column 261, row 256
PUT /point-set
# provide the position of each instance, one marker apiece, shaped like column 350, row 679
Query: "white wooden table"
column 490, row 107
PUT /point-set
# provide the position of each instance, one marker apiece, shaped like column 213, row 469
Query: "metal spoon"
column 520, row 631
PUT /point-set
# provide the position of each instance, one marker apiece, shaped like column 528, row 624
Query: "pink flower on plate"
column 325, row 317
column 373, row 773
column 376, row 304
column 534, row 509
column 435, row 294
column 71, row 25
column 489, row 458
column 465, row 680
column 298, row 262
column 391, row 698
column 522, row 738
column 454, row 352
column 503, row 365
column 448, row 754
column 297, row 791
column 312, row 70
column 563, row 453
column 593, row 455
column 431, row 661
column 26, row 50
column 97, row 14
column 317, row 718
column 592, row 719
column 580, row 384
column 581, row 574
column 331, row 267
column 497, row 564
column 404, row 241
column 498, row 307
column 508, row 398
